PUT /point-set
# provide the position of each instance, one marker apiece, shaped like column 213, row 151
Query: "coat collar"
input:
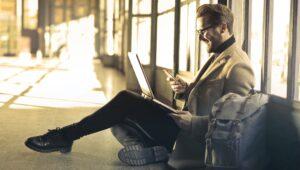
column 219, row 61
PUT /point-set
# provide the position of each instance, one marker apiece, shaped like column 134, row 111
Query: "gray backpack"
column 236, row 136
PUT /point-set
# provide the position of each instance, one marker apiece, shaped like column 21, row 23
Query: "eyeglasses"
column 202, row 31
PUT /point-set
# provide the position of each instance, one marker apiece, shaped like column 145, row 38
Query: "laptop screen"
column 140, row 75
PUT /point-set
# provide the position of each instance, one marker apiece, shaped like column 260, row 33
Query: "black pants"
column 130, row 109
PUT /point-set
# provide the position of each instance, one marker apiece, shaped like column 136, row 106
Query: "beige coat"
column 230, row 72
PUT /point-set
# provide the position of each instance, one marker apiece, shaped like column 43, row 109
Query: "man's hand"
column 183, row 119
column 177, row 84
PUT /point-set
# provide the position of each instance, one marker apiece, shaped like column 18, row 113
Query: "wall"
column 283, row 137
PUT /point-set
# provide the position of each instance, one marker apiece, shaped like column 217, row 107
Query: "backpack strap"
column 243, row 105
column 222, row 104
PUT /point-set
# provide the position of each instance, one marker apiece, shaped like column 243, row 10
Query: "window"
column 164, row 5
column 68, row 10
column 109, row 27
column 81, row 8
column 165, row 40
column 165, row 34
column 204, row 55
column 280, row 41
column 58, row 15
column 201, row 2
column 141, row 7
column 102, row 28
column 117, row 29
column 183, row 38
column 30, row 14
column 141, row 31
column 208, row 2
column 256, row 40
column 187, row 37
column 8, row 27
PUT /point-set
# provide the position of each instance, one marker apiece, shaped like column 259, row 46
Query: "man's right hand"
column 178, row 85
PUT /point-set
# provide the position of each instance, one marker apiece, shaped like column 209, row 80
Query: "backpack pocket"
column 222, row 153
column 222, row 146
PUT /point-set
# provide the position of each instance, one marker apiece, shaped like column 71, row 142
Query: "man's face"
column 209, row 34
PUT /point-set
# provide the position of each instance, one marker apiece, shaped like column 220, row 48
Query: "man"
column 147, row 130
column 227, row 70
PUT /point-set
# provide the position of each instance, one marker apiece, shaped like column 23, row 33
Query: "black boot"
column 52, row 141
column 137, row 155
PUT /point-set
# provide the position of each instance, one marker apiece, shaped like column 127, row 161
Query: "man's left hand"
column 183, row 119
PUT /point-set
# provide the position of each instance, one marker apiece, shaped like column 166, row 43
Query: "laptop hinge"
column 146, row 96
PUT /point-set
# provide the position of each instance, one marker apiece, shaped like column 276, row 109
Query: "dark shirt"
column 217, row 52
column 225, row 45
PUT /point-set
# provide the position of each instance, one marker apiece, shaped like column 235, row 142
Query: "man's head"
column 214, row 24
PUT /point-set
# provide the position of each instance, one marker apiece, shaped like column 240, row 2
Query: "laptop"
column 143, row 81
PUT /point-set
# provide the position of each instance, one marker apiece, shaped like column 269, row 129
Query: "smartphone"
column 169, row 74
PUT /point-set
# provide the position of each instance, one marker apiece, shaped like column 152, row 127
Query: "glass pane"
column 192, row 35
column 141, row 31
column 109, row 27
column 58, row 15
column 117, row 9
column 141, row 6
column 82, row 2
column 165, row 40
column 30, row 14
column 256, row 40
column 203, row 53
column 187, row 37
column 8, row 27
column 58, row 3
column 68, row 14
column 126, row 5
column 183, row 38
column 214, row 1
column 164, row 5
column 201, row 2
column 280, row 47
column 69, row 3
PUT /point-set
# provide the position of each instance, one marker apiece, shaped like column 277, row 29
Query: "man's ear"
column 223, row 27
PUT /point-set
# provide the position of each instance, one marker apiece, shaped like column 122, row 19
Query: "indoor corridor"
column 40, row 95
column 61, row 60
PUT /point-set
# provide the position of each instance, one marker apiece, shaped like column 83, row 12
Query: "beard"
column 212, row 44
column 209, row 47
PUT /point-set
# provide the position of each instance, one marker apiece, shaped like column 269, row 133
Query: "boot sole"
column 61, row 149
column 136, row 155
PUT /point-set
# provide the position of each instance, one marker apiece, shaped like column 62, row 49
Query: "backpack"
column 236, row 136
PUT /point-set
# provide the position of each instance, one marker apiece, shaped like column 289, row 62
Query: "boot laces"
column 51, row 133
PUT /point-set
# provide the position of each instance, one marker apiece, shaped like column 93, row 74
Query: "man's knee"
column 124, row 93
column 125, row 135
column 127, row 94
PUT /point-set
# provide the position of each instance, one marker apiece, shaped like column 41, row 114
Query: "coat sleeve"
column 199, row 127
column 239, row 79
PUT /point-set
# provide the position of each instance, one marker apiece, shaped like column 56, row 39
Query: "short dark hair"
column 217, row 14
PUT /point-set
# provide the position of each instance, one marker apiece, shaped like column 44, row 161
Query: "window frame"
column 293, row 71
column 188, row 56
column 176, row 35
column 292, row 97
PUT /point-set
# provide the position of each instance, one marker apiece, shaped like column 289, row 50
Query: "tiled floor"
column 39, row 95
